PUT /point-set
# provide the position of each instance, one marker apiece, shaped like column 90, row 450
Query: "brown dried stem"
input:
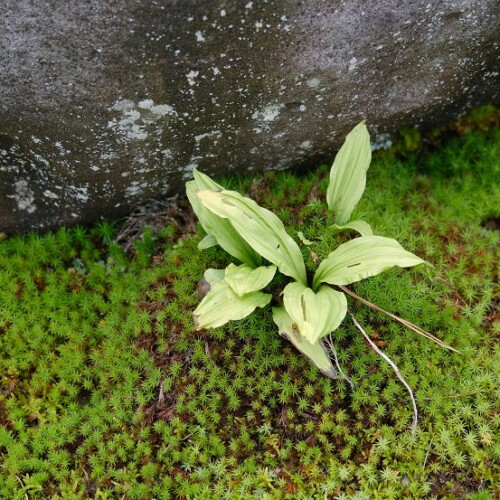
column 404, row 322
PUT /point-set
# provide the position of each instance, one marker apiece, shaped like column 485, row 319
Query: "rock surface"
column 105, row 104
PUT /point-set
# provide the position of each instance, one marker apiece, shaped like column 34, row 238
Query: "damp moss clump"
column 107, row 390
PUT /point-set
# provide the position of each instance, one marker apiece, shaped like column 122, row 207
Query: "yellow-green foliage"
column 107, row 390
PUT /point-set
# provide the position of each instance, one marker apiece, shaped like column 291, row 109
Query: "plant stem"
column 330, row 344
column 396, row 371
column 405, row 322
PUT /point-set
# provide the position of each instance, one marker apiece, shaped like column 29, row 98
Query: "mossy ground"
column 107, row 391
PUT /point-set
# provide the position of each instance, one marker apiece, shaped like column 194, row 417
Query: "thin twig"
column 405, row 322
column 396, row 371
column 427, row 454
column 161, row 396
column 330, row 344
column 22, row 484
column 460, row 395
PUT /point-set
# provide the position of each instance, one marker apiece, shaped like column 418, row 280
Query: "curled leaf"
column 210, row 277
column 244, row 279
column 304, row 240
column 317, row 352
column 221, row 305
column 208, row 241
column 213, row 276
column 360, row 226
column 314, row 314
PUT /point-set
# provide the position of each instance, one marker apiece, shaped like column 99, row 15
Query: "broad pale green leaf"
column 191, row 190
column 361, row 258
column 221, row 305
column 203, row 181
column 315, row 352
column 244, row 279
column 210, row 278
column 220, row 229
column 213, row 276
column 260, row 228
column 314, row 314
column 360, row 226
column 208, row 241
column 348, row 174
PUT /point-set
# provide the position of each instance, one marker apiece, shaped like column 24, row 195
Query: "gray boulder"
column 104, row 104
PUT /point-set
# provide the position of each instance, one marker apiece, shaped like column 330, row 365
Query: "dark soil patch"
column 491, row 223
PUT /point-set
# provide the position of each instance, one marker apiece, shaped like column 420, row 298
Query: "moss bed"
column 107, row 391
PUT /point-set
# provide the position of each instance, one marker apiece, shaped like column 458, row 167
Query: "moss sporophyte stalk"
column 308, row 311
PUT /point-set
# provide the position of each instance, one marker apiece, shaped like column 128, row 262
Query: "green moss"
column 106, row 389
column 409, row 141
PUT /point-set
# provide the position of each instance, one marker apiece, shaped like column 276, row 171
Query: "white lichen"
column 268, row 113
column 146, row 104
column 163, row 110
column 191, row 76
column 381, row 141
column 313, row 83
column 50, row 194
column 134, row 120
column 24, row 196
column 81, row 193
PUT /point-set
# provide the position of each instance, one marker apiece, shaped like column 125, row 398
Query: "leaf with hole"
column 362, row 258
column 216, row 227
column 260, row 228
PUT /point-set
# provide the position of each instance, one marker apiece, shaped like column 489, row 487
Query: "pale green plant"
column 252, row 234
